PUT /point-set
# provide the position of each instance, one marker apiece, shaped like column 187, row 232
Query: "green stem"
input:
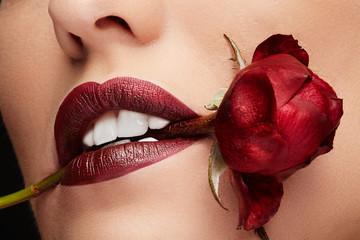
column 203, row 125
column 190, row 128
column 31, row 191
column 261, row 233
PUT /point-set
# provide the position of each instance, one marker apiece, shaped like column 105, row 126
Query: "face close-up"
column 165, row 60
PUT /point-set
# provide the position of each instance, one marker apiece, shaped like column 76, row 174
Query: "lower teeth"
column 148, row 139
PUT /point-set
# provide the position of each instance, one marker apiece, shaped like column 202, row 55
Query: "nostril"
column 111, row 20
column 77, row 39
column 120, row 21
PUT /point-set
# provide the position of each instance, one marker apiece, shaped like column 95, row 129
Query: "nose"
column 83, row 26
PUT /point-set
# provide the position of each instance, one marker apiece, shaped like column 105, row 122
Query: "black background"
column 16, row 222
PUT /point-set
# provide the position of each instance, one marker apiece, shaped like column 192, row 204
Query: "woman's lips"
column 112, row 162
column 90, row 100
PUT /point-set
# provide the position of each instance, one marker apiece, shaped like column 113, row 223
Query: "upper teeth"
column 122, row 124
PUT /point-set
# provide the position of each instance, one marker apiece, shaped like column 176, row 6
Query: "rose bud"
column 276, row 117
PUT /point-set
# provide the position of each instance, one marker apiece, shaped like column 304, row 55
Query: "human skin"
column 179, row 46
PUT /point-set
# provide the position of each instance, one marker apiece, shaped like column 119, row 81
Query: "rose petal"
column 257, row 149
column 334, row 104
column 323, row 96
column 259, row 198
column 286, row 75
column 326, row 146
column 285, row 174
column 277, row 44
column 243, row 125
column 336, row 111
column 324, row 86
column 252, row 100
column 304, row 127
column 311, row 92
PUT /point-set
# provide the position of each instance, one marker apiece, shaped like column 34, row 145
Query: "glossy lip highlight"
column 90, row 100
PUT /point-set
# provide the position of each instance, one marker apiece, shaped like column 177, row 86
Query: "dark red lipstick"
column 90, row 100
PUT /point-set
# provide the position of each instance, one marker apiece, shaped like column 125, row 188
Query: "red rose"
column 276, row 117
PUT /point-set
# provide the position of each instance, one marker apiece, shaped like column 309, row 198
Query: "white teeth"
column 157, row 122
column 148, row 139
column 88, row 138
column 131, row 124
column 116, row 143
column 121, row 142
column 105, row 129
column 122, row 124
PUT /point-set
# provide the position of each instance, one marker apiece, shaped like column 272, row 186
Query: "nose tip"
column 88, row 25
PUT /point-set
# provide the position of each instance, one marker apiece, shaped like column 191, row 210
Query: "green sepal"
column 238, row 58
column 216, row 168
column 216, row 100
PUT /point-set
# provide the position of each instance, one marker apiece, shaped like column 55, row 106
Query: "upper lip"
column 90, row 100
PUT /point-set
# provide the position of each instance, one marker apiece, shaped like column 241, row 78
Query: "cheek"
column 29, row 82
column 143, row 202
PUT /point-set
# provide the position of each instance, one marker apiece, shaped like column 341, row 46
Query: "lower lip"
column 112, row 162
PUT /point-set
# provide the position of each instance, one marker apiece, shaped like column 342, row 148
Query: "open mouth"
column 102, row 130
column 120, row 127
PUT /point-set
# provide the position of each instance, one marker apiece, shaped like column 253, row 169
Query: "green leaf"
column 216, row 167
column 216, row 100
